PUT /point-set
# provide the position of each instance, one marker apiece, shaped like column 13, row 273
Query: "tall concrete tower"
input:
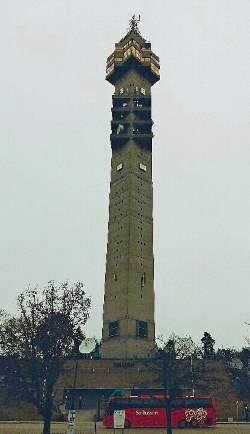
column 128, row 310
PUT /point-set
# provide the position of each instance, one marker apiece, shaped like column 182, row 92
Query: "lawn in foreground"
column 88, row 428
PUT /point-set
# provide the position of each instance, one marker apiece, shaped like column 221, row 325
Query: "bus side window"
column 149, row 403
column 181, row 403
column 195, row 403
column 174, row 404
column 110, row 410
column 121, row 404
column 135, row 403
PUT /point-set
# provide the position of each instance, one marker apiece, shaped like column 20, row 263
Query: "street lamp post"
column 168, row 416
column 246, row 411
column 237, row 410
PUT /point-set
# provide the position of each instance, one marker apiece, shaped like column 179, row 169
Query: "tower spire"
column 133, row 24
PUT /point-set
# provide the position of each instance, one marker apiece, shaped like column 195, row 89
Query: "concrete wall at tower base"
column 127, row 347
column 104, row 374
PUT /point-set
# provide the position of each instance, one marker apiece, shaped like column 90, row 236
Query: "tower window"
column 143, row 167
column 143, row 91
column 137, row 103
column 143, row 280
column 115, row 276
column 119, row 167
column 142, row 329
column 113, row 328
column 120, row 129
column 121, row 91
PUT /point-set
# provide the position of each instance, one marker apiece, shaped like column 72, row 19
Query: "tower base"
column 127, row 348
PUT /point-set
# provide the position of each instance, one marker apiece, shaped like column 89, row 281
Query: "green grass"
column 88, row 428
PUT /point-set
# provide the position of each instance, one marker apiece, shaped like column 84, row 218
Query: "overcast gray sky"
column 55, row 154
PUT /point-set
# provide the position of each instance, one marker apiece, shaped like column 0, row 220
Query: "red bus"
column 149, row 411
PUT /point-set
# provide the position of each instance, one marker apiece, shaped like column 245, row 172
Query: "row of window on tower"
column 136, row 89
column 143, row 279
column 131, row 119
column 136, row 130
column 136, row 103
column 142, row 167
column 141, row 329
column 143, row 115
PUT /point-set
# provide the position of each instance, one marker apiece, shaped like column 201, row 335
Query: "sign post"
column 119, row 419
column 71, row 422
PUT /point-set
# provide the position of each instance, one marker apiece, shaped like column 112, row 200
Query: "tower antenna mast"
column 133, row 23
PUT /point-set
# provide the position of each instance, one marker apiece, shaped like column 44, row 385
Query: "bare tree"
column 185, row 347
column 38, row 339
column 226, row 355
column 170, row 374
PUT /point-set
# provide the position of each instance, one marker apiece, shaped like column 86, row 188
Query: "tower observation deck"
column 128, row 309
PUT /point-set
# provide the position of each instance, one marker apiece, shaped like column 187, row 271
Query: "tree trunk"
column 169, row 418
column 49, row 378
column 46, row 427
column 47, row 422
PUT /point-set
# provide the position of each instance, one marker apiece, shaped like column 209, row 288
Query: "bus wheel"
column 127, row 424
column 182, row 424
column 195, row 424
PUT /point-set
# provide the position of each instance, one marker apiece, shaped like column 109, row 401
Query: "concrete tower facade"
column 128, row 310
